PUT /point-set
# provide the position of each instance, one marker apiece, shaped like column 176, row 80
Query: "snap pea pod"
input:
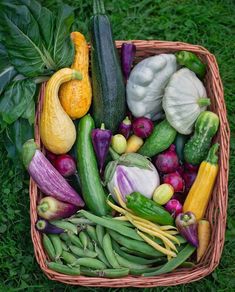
column 132, row 258
column 90, row 246
column 135, row 244
column 106, row 273
column 116, row 221
column 64, row 237
column 128, row 264
column 91, row 263
column 64, row 246
column 135, row 252
column 137, row 272
column 67, row 226
column 101, row 256
column 79, row 221
column 81, row 252
column 187, row 265
column 100, row 232
column 108, row 251
column 83, row 238
column 75, row 240
column 173, row 263
column 48, row 246
column 64, row 269
column 92, row 232
column 126, row 231
column 68, row 257
column 57, row 244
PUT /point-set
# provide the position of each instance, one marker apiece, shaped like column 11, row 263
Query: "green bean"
column 48, row 246
column 106, row 273
column 75, row 240
column 91, row 263
column 108, row 251
column 126, row 231
column 135, row 244
column 92, row 233
column 132, row 258
column 67, row 226
column 100, row 232
column 82, row 253
column 57, row 244
column 68, row 257
column 101, row 256
column 79, row 221
column 128, row 264
column 63, row 269
column 135, row 252
column 64, row 246
column 83, row 238
column 175, row 262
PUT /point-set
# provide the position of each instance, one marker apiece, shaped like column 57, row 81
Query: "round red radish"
column 142, row 127
column 65, row 164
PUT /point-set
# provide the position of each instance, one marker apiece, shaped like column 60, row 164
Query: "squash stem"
column 212, row 156
column 203, row 101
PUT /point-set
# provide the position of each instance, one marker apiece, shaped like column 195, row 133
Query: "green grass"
column 207, row 23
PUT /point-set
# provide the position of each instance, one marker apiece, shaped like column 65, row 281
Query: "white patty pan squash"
column 146, row 84
column 184, row 99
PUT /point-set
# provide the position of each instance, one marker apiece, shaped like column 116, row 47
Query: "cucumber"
column 109, row 105
column 92, row 189
column 206, row 126
column 180, row 142
column 162, row 137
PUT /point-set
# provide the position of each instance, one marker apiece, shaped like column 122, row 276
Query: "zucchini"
column 92, row 189
column 206, row 126
column 109, row 105
column 161, row 138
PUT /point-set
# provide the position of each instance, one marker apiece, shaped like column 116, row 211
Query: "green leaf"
column 109, row 171
column 15, row 100
column 29, row 113
column 7, row 71
column 135, row 159
column 22, row 38
column 63, row 49
column 15, row 136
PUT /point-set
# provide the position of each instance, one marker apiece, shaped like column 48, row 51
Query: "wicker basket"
column 216, row 212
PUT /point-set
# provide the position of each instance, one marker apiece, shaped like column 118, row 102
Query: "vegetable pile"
column 130, row 166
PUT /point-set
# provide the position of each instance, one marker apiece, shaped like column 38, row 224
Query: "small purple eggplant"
column 125, row 127
column 187, row 227
column 46, row 227
column 50, row 208
column 101, row 139
column 127, row 57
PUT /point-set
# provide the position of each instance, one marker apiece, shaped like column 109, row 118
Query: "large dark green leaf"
column 15, row 136
column 23, row 41
column 7, row 72
column 62, row 47
column 15, row 100
column 29, row 113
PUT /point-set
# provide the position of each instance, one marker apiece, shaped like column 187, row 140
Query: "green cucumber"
column 162, row 137
column 92, row 189
column 180, row 142
column 206, row 126
column 109, row 104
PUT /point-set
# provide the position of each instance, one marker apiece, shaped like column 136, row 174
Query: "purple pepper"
column 187, row 227
column 101, row 139
column 127, row 57
column 125, row 127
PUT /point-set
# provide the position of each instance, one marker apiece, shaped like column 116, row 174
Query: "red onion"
column 191, row 167
column 180, row 197
column 189, row 178
column 175, row 180
column 180, row 169
column 167, row 161
column 142, row 127
column 65, row 164
column 51, row 156
column 174, row 207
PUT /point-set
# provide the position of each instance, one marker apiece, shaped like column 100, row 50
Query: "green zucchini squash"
column 206, row 126
column 108, row 106
column 92, row 189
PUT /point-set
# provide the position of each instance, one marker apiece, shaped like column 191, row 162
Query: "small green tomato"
column 163, row 194
column 119, row 143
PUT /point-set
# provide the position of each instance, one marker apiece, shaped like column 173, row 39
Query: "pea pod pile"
column 95, row 246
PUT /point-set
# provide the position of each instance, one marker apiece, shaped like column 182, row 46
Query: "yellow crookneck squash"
column 75, row 96
column 201, row 190
column 57, row 130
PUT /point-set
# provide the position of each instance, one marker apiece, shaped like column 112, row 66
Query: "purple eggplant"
column 50, row 208
column 101, row 139
column 125, row 127
column 47, row 178
column 128, row 51
column 187, row 227
column 46, row 227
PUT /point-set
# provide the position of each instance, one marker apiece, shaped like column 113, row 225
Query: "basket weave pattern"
column 216, row 211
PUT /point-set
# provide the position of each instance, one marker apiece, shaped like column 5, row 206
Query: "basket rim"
column 199, row 271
